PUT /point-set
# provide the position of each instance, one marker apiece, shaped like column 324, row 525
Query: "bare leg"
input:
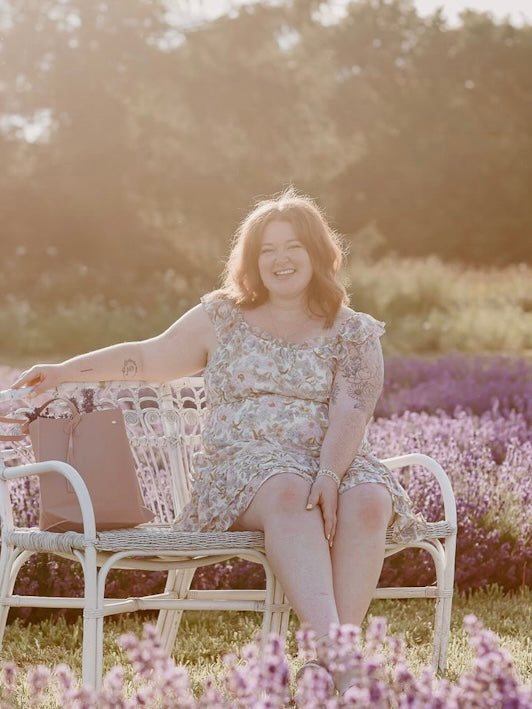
column 296, row 547
column 364, row 512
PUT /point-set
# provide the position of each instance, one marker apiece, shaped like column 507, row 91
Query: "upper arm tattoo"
column 362, row 374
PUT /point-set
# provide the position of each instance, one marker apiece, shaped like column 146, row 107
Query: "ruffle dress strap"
column 359, row 326
column 358, row 330
column 223, row 314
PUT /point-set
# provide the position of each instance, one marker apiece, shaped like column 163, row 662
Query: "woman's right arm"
column 180, row 351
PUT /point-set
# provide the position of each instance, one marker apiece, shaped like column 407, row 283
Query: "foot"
column 310, row 665
column 343, row 680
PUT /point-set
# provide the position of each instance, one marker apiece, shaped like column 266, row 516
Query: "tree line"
column 156, row 138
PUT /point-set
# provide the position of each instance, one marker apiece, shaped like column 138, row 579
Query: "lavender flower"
column 38, row 679
column 8, row 676
column 371, row 670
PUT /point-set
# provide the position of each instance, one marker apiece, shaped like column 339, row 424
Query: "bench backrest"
column 164, row 423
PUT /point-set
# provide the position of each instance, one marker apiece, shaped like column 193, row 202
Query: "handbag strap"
column 25, row 422
column 71, row 405
column 13, row 436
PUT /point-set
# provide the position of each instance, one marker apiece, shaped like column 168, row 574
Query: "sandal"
column 309, row 665
column 342, row 680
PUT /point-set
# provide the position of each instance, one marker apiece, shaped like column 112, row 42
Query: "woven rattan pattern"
column 163, row 539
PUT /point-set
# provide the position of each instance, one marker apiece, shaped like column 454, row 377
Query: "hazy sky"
column 499, row 8
column 515, row 9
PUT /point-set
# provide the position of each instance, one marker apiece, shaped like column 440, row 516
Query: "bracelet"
column 325, row 472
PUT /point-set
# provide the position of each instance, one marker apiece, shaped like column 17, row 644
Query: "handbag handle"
column 72, row 406
column 13, row 395
column 14, row 437
column 25, row 422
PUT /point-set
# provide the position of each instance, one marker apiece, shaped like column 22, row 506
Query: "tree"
column 161, row 136
column 445, row 118
column 70, row 199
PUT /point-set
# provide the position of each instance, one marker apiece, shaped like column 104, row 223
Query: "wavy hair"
column 242, row 282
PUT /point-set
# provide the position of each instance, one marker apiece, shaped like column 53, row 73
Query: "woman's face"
column 284, row 263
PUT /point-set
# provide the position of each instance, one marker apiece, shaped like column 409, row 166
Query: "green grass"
column 205, row 637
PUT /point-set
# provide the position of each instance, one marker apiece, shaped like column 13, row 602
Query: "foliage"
column 84, row 325
column 375, row 661
column 428, row 306
column 84, row 64
column 431, row 306
column 420, row 97
column 156, row 136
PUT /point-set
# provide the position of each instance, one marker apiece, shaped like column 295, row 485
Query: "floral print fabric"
column 267, row 413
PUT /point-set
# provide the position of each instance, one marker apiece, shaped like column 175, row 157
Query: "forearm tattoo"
column 361, row 370
column 129, row 368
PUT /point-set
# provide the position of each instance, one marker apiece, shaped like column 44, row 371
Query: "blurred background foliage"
column 132, row 145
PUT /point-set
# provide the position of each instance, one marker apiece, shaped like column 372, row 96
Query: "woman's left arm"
column 355, row 391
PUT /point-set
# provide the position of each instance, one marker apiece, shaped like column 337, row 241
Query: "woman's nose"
column 281, row 254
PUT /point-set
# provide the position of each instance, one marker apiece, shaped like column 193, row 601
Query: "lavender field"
column 472, row 414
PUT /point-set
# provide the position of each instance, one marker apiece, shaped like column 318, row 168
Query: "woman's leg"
column 364, row 512
column 295, row 546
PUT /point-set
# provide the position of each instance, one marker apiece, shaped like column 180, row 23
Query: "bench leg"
column 178, row 583
column 11, row 561
column 7, row 582
column 442, row 629
column 90, row 663
column 278, row 622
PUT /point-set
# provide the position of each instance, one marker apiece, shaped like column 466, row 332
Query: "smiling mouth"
column 285, row 272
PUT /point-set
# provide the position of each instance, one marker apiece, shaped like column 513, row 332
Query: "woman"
column 292, row 377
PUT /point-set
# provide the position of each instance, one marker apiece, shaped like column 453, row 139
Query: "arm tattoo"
column 129, row 368
column 361, row 368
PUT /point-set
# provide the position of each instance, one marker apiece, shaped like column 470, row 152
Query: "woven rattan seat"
column 164, row 425
column 160, row 539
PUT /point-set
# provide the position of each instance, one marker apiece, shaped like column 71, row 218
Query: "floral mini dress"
column 267, row 413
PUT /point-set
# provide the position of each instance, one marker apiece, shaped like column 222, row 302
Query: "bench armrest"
column 51, row 466
column 425, row 461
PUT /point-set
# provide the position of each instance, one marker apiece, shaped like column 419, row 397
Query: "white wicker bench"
column 164, row 424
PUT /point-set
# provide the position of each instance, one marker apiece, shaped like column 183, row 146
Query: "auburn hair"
column 242, row 282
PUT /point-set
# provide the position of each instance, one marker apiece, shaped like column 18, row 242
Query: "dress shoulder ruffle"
column 222, row 313
column 358, row 327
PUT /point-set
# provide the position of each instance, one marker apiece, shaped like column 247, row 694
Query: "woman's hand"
column 324, row 493
column 41, row 377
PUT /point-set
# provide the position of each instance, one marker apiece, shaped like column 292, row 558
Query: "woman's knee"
column 369, row 504
column 284, row 494
column 281, row 495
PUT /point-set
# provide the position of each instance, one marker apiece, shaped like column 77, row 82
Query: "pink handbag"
column 97, row 446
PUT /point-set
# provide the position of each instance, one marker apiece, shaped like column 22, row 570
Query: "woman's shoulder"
column 218, row 295
column 220, row 306
column 356, row 326
column 218, row 299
